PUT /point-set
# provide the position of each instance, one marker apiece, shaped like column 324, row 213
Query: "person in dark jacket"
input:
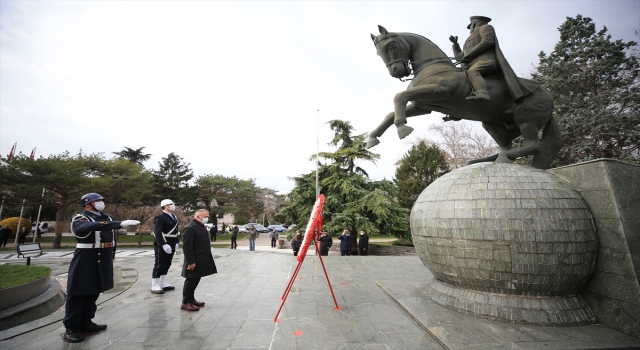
column 345, row 243
column 214, row 232
column 252, row 233
column 296, row 243
column 363, row 245
column 91, row 268
column 234, row 237
column 22, row 235
column 198, row 260
column 4, row 236
column 166, row 243
column 325, row 243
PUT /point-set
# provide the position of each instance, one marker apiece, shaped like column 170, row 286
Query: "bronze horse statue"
column 438, row 85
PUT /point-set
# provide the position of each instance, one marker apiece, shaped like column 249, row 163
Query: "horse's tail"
column 550, row 144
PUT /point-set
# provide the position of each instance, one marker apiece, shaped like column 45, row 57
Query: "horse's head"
column 394, row 51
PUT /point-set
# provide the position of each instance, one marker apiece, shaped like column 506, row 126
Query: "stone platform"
column 242, row 300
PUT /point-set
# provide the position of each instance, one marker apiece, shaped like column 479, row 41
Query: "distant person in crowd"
column 296, row 243
column 274, row 237
column 345, row 243
column 4, row 236
column 363, row 245
column 22, row 235
column 325, row 243
column 234, row 237
column 214, row 232
column 165, row 245
column 198, row 260
column 252, row 234
column 91, row 268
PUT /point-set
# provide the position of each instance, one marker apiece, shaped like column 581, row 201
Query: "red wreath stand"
column 312, row 233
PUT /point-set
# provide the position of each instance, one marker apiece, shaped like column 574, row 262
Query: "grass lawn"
column 14, row 275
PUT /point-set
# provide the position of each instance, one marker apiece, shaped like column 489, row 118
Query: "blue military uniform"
column 166, row 230
column 91, row 269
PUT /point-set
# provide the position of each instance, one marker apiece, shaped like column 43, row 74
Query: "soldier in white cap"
column 166, row 230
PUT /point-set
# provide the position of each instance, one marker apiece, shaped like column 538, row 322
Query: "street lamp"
column 117, row 177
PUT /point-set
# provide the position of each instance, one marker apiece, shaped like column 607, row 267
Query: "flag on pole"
column 13, row 151
column 33, row 153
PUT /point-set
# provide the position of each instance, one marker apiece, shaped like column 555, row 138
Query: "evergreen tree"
column 134, row 155
column 66, row 179
column 420, row 166
column 352, row 200
column 230, row 195
column 596, row 89
column 171, row 181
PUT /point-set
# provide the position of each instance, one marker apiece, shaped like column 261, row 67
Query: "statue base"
column 567, row 310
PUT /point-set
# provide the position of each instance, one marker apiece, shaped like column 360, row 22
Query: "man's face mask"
column 99, row 205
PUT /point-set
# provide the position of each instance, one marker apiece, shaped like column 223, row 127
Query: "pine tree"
column 352, row 200
column 134, row 155
column 420, row 166
column 596, row 89
column 171, row 181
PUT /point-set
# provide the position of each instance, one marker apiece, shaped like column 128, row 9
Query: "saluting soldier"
column 165, row 245
column 91, row 268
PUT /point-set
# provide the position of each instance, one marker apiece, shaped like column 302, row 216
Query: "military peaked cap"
column 482, row 18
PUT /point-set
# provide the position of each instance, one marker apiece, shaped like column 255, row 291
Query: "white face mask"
column 99, row 205
column 205, row 220
column 172, row 207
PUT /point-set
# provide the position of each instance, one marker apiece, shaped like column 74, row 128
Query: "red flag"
column 33, row 152
column 13, row 151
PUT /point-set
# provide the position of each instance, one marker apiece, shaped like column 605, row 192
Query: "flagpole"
column 15, row 243
column 35, row 232
column 317, row 153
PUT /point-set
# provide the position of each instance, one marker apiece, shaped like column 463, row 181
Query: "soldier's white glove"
column 167, row 248
column 129, row 223
column 177, row 246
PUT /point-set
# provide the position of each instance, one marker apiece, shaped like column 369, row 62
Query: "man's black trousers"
column 163, row 260
column 79, row 309
column 189, row 289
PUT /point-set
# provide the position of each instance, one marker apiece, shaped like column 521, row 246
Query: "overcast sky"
column 234, row 87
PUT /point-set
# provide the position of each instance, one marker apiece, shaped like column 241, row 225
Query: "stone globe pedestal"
column 507, row 242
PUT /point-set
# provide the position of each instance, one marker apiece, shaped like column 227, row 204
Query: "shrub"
column 13, row 225
column 405, row 242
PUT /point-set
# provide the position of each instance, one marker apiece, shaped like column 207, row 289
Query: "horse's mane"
column 427, row 39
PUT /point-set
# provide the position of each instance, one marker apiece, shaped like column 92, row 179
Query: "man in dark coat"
column 166, row 243
column 296, row 243
column 198, row 260
column 214, row 231
column 234, row 237
column 4, row 236
column 363, row 245
column 22, row 235
column 325, row 243
column 345, row 243
column 91, row 268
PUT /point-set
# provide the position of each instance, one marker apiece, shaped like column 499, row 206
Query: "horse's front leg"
column 424, row 92
column 410, row 110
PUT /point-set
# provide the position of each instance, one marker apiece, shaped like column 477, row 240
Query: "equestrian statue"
column 483, row 89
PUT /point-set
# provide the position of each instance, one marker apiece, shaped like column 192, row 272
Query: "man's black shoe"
column 92, row 327
column 157, row 291
column 73, row 336
column 168, row 288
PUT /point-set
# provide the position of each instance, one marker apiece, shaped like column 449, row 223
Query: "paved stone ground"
column 242, row 300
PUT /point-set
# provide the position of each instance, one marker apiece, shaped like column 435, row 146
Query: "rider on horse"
column 482, row 56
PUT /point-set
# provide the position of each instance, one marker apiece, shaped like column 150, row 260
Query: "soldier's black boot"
column 89, row 326
column 73, row 335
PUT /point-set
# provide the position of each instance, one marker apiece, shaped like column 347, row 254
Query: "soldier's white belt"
column 92, row 245
column 168, row 235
